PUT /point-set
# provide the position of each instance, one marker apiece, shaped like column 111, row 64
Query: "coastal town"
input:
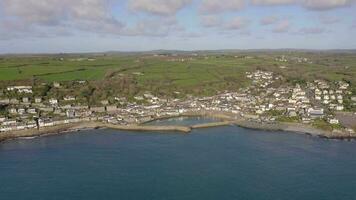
column 265, row 100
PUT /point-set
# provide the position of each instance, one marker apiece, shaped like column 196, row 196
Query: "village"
column 264, row 101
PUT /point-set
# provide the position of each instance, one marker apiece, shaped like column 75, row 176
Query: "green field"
column 201, row 74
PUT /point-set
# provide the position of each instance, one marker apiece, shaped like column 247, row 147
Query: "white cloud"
column 312, row 30
column 309, row 4
column 154, row 27
column 237, row 23
column 268, row 20
column 210, row 20
column 282, row 27
column 42, row 18
column 327, row 19
column 326, row 4
column 272, row 2
column 159, row 7
column 353, row 26
column 218, row 6
column 92, row 15
column 51, row 12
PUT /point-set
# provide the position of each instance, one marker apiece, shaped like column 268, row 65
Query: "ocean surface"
column 216, row 163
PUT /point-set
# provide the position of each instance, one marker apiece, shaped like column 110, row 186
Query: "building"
column 25, row 100
column 20, row 89
column 111, row 108
column 69, row 98
column 333, row 121
column 38, row 100
column 53, row 101
column 70, row 113
column 316, row 113
column 98, row 109
column 56, row 85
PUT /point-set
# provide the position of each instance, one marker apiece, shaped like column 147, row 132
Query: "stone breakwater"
column 226, row 120
column 87, row 125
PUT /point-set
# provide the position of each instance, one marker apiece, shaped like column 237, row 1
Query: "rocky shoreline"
column 297, row 128
column 226, row 119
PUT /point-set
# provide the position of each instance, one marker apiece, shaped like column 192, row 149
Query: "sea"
column 220, row 163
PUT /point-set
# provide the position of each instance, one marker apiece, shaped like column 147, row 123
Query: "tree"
column 87, row 92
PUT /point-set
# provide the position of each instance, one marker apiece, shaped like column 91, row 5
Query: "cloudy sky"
column 136, row 25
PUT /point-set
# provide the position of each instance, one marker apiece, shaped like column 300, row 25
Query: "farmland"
column 201, row 73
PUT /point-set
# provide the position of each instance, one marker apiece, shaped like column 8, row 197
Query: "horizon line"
column 177, row 50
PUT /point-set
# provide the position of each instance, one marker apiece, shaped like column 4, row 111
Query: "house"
column 69, row 98
column 98, row 109
column 53, row 101
column 317, row 97
column 339, row 107
column 56, row 85
column 25, row 100
column 20, row 89
column 59, row 112
column 13, row 111
column 139, row 98
column 317, row 91
column 45, row 122
column 21, row 111
column 292, row 101
column 31, row 111
column 104, row 102
column 259, row 112
column 70, row 113
column 9, row 123
column 38, row 100
column 316, row 113
column 5, row 129
column 333, row 121
column 111, row 108
column 148, row 96
column 292, row 113
column 248, row 116
column 343, row 85
column 291, row 109
column 306, row 120
column 4, row 101
column 326, row 101
column 14, row 101
column 47, row 109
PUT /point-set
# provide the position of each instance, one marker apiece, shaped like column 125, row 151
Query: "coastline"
column 226, row 119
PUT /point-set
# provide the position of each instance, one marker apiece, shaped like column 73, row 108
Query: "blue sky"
column 53, row 26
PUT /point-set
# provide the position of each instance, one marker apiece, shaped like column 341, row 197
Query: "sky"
column 64, row 26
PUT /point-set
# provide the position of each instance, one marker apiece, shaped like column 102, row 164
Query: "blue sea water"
column 217, row 163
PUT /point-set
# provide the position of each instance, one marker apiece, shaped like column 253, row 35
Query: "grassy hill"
column 203, row 73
